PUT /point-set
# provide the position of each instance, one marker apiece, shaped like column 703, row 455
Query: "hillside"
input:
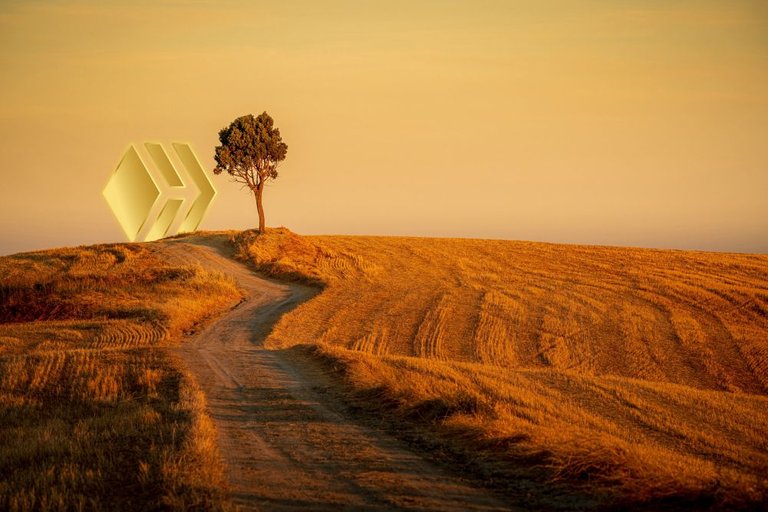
column 693, row 318
column 94, row 413
column 639, row 373
column 564, row 377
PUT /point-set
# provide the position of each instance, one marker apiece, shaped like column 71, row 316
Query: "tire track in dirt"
column 285, row 445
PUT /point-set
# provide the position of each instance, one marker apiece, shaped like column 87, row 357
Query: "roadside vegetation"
column 95, row 412
column 635, row 377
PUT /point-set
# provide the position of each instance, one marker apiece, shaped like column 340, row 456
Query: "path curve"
column 284, row 445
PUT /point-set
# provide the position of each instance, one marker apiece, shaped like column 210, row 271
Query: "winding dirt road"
column 285, row 445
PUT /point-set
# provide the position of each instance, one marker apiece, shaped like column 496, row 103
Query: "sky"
column 613, row 122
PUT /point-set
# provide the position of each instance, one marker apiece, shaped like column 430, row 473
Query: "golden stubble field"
column 568, row 376
column 94, row 413
column 638, row 376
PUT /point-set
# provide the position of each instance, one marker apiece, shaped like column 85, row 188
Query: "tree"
column 250, row 150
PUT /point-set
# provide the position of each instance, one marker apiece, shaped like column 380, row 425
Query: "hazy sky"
column 611, row 122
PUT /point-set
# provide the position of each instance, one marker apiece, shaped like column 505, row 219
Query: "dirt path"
column 285, row 446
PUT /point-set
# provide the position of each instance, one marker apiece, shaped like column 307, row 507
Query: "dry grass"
column 94, row 414
column 640, row 374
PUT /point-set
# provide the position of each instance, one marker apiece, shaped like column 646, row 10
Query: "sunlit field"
column 565, row 376
column 94, row 413
column 631, row 376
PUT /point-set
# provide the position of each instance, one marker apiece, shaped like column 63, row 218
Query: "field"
column 94, row 413
column 567, row 377
column 634, row 376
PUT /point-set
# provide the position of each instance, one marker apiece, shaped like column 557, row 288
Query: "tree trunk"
column 260, row 207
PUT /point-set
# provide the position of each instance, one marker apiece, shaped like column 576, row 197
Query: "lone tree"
column 250, row 151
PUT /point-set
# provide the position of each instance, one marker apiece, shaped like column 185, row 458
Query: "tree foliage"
column 250, row 151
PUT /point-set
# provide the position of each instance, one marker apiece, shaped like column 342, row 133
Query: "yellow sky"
column 612, row 122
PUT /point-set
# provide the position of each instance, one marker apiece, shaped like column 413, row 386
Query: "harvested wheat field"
column 636, row 376
column 532, row 375
column 94, row 414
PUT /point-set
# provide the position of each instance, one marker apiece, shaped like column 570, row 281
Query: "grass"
column 637, row 377
column 570, row 376
column 94, row 412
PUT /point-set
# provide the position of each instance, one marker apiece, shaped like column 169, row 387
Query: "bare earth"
column 286, row 445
